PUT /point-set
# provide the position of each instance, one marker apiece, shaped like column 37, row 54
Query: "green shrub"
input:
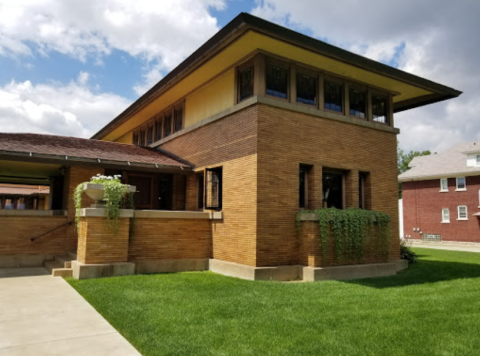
column 406, row 252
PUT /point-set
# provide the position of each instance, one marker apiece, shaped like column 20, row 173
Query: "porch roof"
column 71, row 150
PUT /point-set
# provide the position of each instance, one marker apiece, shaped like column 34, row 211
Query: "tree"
column 404, row 159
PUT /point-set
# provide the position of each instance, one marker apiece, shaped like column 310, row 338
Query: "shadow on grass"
column 424, row 272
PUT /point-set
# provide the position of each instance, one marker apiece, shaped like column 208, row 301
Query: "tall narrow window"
column 277, row 81
column 200, row 190
column 158, row 128
column 358, row 103
column 379, row 109
column 245, row 83
column 135, row 138
column 462, row 212
column 333, row 95
column 445, row 215
column 142, row 137
column 213, row 188
column 178, row 119
column 461, row 185
column 332, row 190
column 306, row 89
column 150, row 134
column 303, row 186
column 167, row 125
column 362, row 185
column 444, row 185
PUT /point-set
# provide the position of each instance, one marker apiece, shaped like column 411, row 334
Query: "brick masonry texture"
column 98, row 243
column 16, row 232
column 288, row 139
column 423, row 203
column 170, row 239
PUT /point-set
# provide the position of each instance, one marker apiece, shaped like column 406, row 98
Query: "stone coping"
column 154, row 214
column 15, row 212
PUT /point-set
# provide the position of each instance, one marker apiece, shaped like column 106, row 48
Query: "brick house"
column 254, row 126
column 441, row 195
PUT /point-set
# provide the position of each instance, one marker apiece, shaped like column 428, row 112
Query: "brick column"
column 351, row 189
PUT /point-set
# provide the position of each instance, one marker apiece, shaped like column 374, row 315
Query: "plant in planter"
column 108, row 190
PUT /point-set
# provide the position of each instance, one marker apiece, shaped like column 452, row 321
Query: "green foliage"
column 116, row 197
column 350, row 229
column 404, row 159
column 406, row 252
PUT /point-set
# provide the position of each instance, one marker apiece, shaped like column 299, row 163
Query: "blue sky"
column 69, row 67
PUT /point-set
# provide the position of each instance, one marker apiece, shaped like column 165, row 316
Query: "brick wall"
column 16, row 232
column 423, row 203
column 98, row 243
column 155, row 239
column 286, row 140
column 232, row 144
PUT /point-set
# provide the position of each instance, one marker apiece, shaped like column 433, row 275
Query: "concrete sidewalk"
column 43, row 315
column 452, row 246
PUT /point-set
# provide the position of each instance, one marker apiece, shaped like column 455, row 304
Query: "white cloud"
column 70, row 110
column 439, row 42
column 161, row 33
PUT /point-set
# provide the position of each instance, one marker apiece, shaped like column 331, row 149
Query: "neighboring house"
column 257, row 124
column 441, row 195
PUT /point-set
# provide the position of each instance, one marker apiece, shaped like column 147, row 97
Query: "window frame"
column 441, row 184
column 445, row 217
column 387, row 106
column 219, row 172
column 458, row 212
column 341, row 173
column 176, row 109
column 464, row 184
column 241, row 68
column 200, row 181
column 281, row 64
column 341, row 83
column 310, row 73
column 305, row 168
column 365, row 91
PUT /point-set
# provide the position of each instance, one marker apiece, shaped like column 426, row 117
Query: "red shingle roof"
column 80, row 148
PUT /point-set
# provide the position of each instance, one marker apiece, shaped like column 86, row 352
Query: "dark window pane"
column 178, row 119
column 142, row 199
column 213, row 189
column 306, row 89
column 379, row 109
column 245, row 83
column 302, row 187
column 135, row 138
column 277, row 81
column 333, row 190
column 200, row 191
column 333, row 96
column 150, row 135
column 158, row 129
column 142, row 137
column 357, row 103
column 167, row 125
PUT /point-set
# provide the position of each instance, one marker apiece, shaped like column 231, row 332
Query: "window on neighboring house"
column 178, row 119
column 444, row 185
column 445, row 215
column 332, row 190
column 478, row 160
column 306, row 89
column 461, row 185
column 200, row 190
column 277, row 81
column 150, row 134
column 142, row 137
column 379, row 109
column 135, row 138
column 333, row 96
column 167, row 125
column 158, row 128
column 462, row 212
column 213, row 188
column 303, row 186
column 358, row 103
column 245, row 83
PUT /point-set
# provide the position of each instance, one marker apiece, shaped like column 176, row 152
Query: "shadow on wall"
column 425, row 271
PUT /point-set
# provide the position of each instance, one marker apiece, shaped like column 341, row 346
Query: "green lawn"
column 433, row 308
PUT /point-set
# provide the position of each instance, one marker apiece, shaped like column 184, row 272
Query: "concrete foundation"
column 169, row 266
column 278, row 273
column 87, row 271
column 21, row 261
